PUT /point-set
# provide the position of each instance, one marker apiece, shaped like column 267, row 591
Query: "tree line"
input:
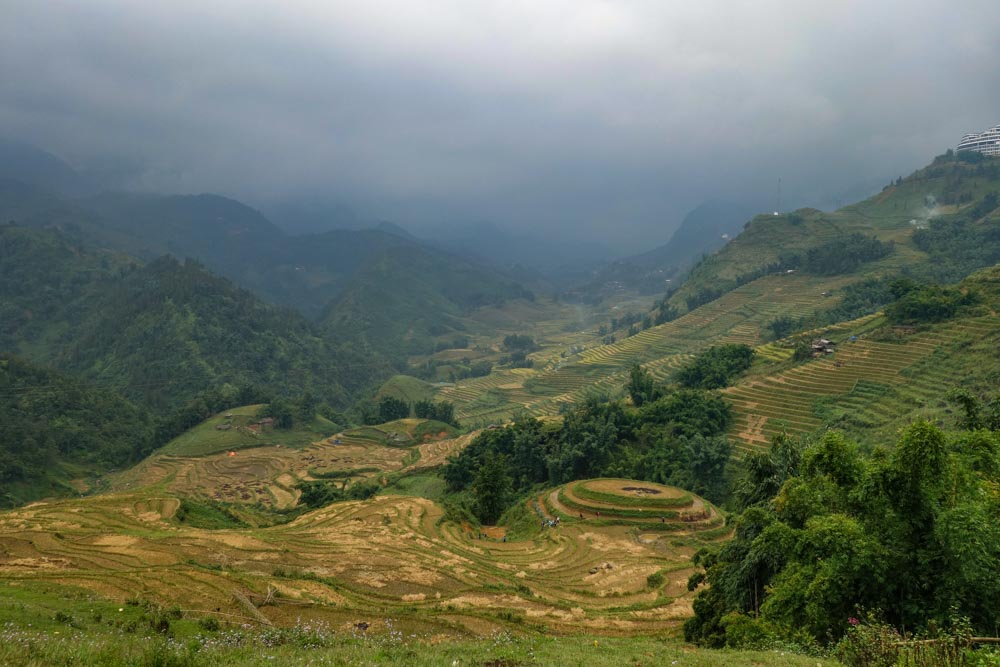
column 671, row 435
column 826, row 535
column 391, row 408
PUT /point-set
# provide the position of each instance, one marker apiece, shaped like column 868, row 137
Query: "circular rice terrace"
column 643, row 506
column 621, row 569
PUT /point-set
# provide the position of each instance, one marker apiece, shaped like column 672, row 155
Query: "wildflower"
column 853, row 621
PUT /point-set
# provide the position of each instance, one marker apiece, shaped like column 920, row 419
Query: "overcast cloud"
column 603, row 119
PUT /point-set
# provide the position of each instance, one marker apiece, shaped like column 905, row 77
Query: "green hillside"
column 54, row 429
column 802, row 270
column 873, row 386
column 347, row 278
column 740, row 316
column 171, row 330
column 230, row 430
column 163, row 332
column 948, row 190
column 704, row 230
column 406, row 388
column 409, row 295
column 46, row 285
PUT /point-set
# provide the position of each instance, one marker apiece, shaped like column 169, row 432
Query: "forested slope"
column 162, row 332
column 53, row 428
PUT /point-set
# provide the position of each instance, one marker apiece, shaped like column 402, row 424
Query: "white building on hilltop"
column 987, row 143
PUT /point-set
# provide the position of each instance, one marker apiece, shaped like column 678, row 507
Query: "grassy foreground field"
column 317, row 645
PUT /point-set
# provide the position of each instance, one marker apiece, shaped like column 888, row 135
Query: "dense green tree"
column 641, row 387
column 765, row 472
column 665, row 313
column 391, row 408
column 305, row 407
column 522, row 342
column 688, row 412
column 677, row 439
column 423, row 409
column 978, row 413
column 715, row 367
column 783, row 325
column 282, row 411
column 492, row 488
column 442, row 411
column 53, row 426
column 910, row 533
column 845, row 254
column 927, row 303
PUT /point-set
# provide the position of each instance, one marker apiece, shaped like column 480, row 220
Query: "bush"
column 715, row 367
column 319, row 494
column 746, row 632
column 844, row 255
column 209, row 624
column 930, row 303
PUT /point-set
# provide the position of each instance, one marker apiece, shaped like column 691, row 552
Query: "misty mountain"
column 312, row 215
column 162, row 332
column 548, row 262
column 393, row 228
column 704, row 230
column 305, row 272
column 938, row 224
column 376, row 279
column 33, row 166
column 408, row 295
column 232, row 239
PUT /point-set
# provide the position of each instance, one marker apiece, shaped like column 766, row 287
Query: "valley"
column 255, row 470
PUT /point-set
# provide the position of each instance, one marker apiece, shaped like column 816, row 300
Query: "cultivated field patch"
column 389, row 557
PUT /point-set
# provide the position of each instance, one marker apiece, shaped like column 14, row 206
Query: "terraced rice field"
column 740, row 316
column 389, row 557
column 869, row 380
column 268, row 475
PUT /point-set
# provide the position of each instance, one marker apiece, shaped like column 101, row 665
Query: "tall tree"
column 492, row 488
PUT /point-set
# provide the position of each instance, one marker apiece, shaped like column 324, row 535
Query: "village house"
column 821, row 346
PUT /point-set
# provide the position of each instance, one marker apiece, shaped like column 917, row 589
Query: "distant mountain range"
column 311, row 273
column 161, row 333
column 30, row 165
column 704, row 230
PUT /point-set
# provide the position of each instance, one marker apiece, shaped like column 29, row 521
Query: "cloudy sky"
column 604, row 120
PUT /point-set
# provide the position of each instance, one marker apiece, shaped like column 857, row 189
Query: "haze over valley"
column 445, row 333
